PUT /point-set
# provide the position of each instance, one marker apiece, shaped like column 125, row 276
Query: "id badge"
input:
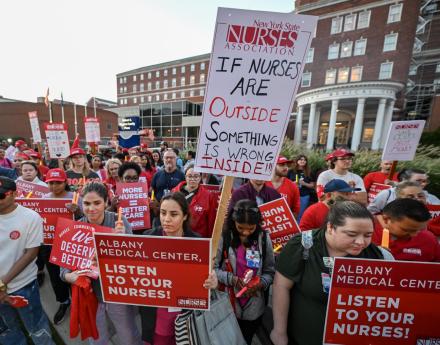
column 326, row 281
column 252, row 258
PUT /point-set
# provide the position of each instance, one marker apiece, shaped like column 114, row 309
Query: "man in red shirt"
column 288, row 189
column 315, row 215
column 380, row 176
column 406, row 220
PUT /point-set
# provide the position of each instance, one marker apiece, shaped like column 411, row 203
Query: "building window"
column 436, row 82
column 202, row 78
column 125, row 79
column 310, row 54
column 157, row 84
column 412, row 70
column 333, row 51
column 437, row 68
column 192, row 80
column 173, row 95
column 174, row 70
column 343, row 75
column 395, row 13
column 346, row 49
column 182, row 94
column 134, row 78
column 165, row 73
column 142, row 99
column 191, row 93
column 330, row 76
column 125, row 89
column 356, row 73
column 149, row 98
column 121, row 80
column 121, row 101
column 134, row 88
column 142, row 76
column 386, row 70
column 202, row 66
column 418, row 44
column 173, row 82
column 390, row 42
column 306, row 79
column 360, row 47
column 121, row 89
column 336, row 25
column 350, row 22
column 182, row 69
column 157, row 98
column 202, row 92
column 192, row 67
column 182, row 81
column 157, row 74
column 125, row 101
column 135, row 100
column 165, row 96
column 141, row 87
column 364, row 19
column 149, row 75
column 165, row 83
column 149, row 86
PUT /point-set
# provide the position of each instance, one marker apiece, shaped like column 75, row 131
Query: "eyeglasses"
column 192, row 177
column 4, row 195
column 345, row 158
column 131, row 178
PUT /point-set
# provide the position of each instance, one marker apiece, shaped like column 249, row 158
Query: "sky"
column 77, row 47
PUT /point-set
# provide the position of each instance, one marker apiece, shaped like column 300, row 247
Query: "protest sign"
column 375, row 302
column 35, row 127
column 50, row 210
column 73, row 245
column 26, row 187
column 434, row 222
column 129, row 131
column 133, row 199
column 402, row 140
column 57, row 139
column 279, row 221
column 255, row 70
column 154, row 270
column 93, row 134
column 375, row 189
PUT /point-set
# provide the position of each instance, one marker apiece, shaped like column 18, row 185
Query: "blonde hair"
column 110, row 161
column 86, row 169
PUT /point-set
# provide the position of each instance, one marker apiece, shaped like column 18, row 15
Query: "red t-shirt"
column 422, row 247
column 376, row 177
column 314, row 216
column 43, row 171
column 290, row 191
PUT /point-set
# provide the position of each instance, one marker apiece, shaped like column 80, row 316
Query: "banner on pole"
column 92, row 129
column 35, row 127
column 26, row 187
column 57, row 140
column 376, row 302
column 73, row 245
column 129, row 131
column 50, row 210
column 255, row 70
column 375, row 189
column 279, row 221
column 402, row 141
column 154, row 270
column 133, row 198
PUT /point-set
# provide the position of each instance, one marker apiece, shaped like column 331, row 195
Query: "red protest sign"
column 278, row 219
column 50, row 210
column 376, row 302
column 154, row 270
column 375, row 189
column 133, row 199
column 73, row 246
column 434, row 223
column 25, row 187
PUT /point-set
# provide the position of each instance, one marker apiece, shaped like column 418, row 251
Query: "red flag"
column 46, row 99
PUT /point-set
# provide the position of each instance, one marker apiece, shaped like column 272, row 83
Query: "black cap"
column 7, row 184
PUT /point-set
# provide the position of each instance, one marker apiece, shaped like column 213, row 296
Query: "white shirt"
column 328, row 175
column 19, row 230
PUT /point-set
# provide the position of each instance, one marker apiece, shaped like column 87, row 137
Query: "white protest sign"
column 255, row 70
column 403, row 138
column 35, row 127
column 93, row 134
column 57, row 140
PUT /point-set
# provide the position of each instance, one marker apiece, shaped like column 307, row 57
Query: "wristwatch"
column 3, row 286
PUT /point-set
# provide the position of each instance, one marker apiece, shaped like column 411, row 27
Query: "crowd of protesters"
column 332, row 203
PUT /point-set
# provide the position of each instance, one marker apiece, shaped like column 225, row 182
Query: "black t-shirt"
column 299, row 174
column 74, row 178
column 308, row 301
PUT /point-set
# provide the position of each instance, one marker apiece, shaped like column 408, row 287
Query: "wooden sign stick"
column 221, row 213
column 392, row 170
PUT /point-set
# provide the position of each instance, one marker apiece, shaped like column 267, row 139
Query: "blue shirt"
column 163, row 180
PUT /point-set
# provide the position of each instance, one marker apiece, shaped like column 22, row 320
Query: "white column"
column 387, row 122
column 358, row 122
column 316, row 129
column 332, row 124
column 298, row 125
column 379, row 124
column 311, row 127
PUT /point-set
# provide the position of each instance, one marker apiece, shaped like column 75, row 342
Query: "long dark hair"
column 160, row 162
column 184, row 206
column 245, row 211
column 97, row 187
column 341, row 210
column 306, row 169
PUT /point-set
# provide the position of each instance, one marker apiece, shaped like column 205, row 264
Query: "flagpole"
column 50, row 112
column 62, row 108
column 85, row 110
column 75, row 120
column 94, row 105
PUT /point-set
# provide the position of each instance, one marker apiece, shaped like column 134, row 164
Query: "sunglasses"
column 4, row 195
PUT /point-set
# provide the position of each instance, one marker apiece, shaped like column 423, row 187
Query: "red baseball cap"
column 56, row 175
column 283, row 160
column 22, row 156
column 34, row 154
column 77, row 151
column 341, row 153
column 19, row 143
column 329, row 156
